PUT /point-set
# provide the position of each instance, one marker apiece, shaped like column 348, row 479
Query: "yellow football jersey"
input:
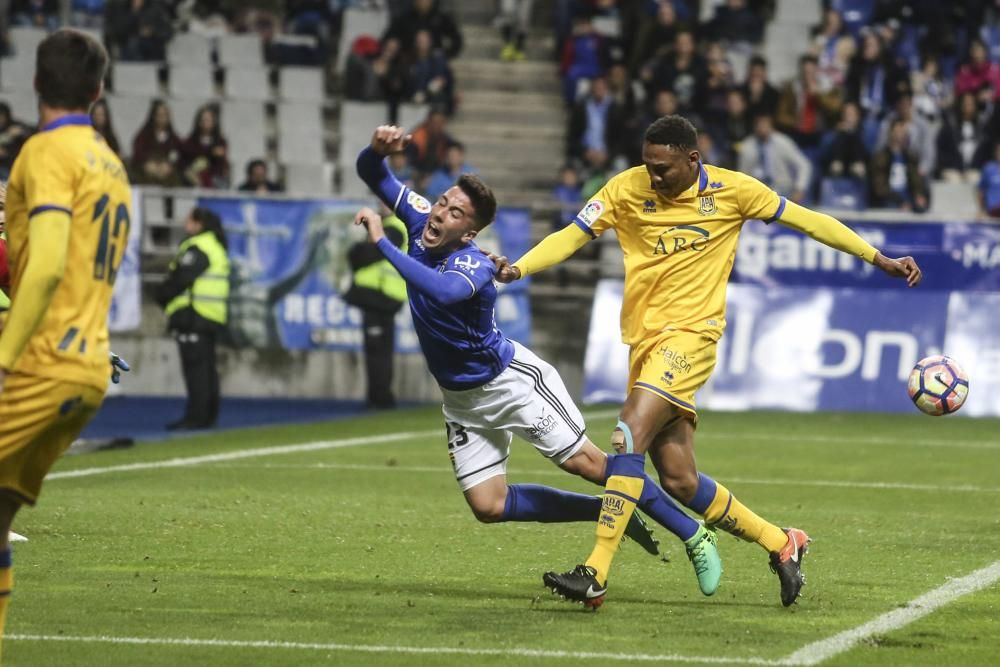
column 678, row 253
column 67, row 166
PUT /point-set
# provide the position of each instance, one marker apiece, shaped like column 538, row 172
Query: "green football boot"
column 703, row 552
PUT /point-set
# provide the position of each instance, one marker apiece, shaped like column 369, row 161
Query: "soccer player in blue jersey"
column 494, row 387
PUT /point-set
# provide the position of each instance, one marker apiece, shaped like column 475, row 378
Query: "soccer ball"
column 938, row 385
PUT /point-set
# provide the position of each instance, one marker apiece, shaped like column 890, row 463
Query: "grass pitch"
column 326, row 550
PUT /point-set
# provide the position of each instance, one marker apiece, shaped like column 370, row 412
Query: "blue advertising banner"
column 290, row 268
column 953, row 256
column 811, row 349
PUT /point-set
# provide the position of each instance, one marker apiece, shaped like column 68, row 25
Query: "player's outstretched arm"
column 386, row 139
column 832, row 232
column 445, row 287
column 553, row 249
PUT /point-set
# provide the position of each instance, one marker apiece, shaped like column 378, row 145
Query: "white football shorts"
column 529, row 400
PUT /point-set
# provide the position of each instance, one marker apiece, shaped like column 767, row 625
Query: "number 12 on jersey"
column 113, row 238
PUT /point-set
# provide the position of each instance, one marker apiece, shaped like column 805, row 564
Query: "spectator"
column 711, row 102
column 773, row 158
column 736, row 24
column 361, row 74
column 709, row 152
column 156, row 149
column 683, row 71
column 961, row 141
column 391, row 71
column 734, row 128
column 804, row 110
column 514, row 19
column 663, row 104
column 401, row 169
column 426, row 15
column 922, row 137
column 38, row 13
column 931, row 95
column 430, row 80
column 978, row 75
column 87, row 14
column 873, row 81
column 428, row 148
column 761, row 96
column 445, row 177
column 100, row 116
column 257, row 180
column 988, row 192
column 651, row 36
column 567, row 195
column 13, row 134
column 595, row 127
column 833, row 48
column 895, row 177
column 138, row 29
column 583, row 57
column 846, row 154
column 206, row 152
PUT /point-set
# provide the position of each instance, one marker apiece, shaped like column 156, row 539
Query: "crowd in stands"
column 880, row 106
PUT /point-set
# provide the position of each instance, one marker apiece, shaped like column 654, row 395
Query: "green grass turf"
column 374, row 545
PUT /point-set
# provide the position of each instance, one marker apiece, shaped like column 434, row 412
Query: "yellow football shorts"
column 39, row 419
column 674, row 365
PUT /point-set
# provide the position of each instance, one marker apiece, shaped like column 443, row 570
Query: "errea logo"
column 649, row 206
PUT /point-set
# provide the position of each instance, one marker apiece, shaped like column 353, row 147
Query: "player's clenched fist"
column 372, row 222
column 903, row 267
column 390, row 139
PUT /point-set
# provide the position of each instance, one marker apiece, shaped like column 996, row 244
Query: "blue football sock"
column 660, row 507
column 534, row 502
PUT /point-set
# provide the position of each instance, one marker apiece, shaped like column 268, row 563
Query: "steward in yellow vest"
column 194, row 296
column 379, row 291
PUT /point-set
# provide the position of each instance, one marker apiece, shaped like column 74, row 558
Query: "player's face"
column 450, row 223
column 671, row 171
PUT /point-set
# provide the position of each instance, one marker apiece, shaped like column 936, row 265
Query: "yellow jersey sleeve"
column 602, row 212
column 49, row 182
column 756, row 201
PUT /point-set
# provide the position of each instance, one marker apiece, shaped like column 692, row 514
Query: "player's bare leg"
column 673, row 456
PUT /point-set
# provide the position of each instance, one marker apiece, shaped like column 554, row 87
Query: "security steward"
column 194, row 296
column 379, row 291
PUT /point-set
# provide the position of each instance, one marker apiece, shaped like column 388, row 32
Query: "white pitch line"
column 246, row 454
column 817, row 652
column 902, row 441
column 413, row 650
column 903, row 486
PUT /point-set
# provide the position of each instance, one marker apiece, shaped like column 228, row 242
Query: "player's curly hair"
column 675, row 131
column 482, row 198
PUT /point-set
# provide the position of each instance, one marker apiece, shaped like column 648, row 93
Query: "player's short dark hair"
column 69, row 68
column 675, row 131
column 210, row 222
column 483, row 201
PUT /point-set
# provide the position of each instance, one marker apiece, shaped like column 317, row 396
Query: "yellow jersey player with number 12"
column 68, row 222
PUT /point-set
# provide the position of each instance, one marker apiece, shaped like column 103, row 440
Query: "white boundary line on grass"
column 810, row 654
column 817, row 652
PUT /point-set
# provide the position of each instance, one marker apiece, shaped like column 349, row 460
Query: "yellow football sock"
column 620, row 497
column 732, row 516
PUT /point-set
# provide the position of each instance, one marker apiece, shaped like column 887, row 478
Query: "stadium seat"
column 300, row 133
column 856, row 13
column 240, row 51
column 128, row 113
column 410, row 115
column 357, row 120
column 991, row 36
column 23, row 105
column 18, row 73
column 245, row 128
column 247, row 83
column 136, row 78
column 182, row 113
column 188, row 48
column 24, row 40
column 843, row 193
column 359, row 22
column 301, row 84
column 953, row 200
column 308, row 179
column 189, row 81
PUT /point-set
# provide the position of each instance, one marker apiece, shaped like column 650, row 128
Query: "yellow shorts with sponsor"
column 673, row 365
column 39, row 418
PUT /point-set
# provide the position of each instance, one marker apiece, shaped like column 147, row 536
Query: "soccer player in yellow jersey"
column 67, row 226
column 677, row 221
